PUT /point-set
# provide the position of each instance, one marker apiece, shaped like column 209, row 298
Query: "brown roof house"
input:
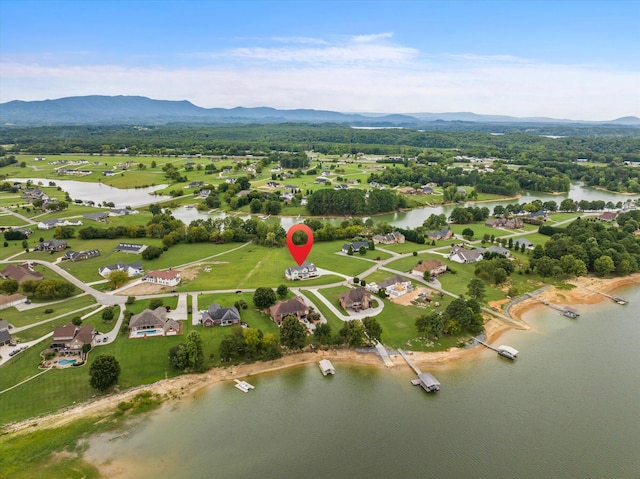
column 20, row 272
column 152, row 322
column 9, row 300
column 356, row 299
column 69, row 339
column 294, row 307
column 435, row 267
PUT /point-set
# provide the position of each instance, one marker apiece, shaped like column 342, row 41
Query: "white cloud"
column 350, row 75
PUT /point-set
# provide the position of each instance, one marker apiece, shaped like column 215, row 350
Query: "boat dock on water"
column 504, row 351
column 425, row 380
column 326, row 367
column 243, row 386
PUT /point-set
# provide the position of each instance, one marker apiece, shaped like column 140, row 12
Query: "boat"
column 326, row 367
column 243, row 386
column 508, row 352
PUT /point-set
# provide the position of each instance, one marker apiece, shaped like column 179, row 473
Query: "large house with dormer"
column 305, row 271
column 294, row 307
column 164, row 278
column 390, row 238
column 355, row 246
column 434, row 267
column 462, row 255
column 355, row 299
column 396, row 286
column 132, row 269
column 69, row 340
column 152, row 322
column 51, row 245
column 20, row 272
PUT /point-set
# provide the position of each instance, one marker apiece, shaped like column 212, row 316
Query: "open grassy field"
column 35, row 315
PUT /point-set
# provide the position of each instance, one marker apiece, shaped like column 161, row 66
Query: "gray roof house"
column 355, row 246
column 216, row 315
column 462, row 255
column 305, row 271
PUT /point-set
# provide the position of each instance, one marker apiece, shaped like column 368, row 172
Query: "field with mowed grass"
column 37, row 314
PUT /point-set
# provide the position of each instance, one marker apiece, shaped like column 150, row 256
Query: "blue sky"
column 562, row 59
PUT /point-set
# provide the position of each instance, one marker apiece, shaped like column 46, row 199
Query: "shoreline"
column 587, row 291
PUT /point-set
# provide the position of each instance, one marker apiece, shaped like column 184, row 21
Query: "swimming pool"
column 67, row 362
column 149, row 332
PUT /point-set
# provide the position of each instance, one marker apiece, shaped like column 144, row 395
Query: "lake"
column 567, row 407
column 415, row 217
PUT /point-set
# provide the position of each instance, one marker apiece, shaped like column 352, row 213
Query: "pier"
column 615, row 299
column 504, row 351
column 326, row 367
column 564, row 310
column 425, row 380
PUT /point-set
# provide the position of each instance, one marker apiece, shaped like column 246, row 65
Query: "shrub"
column 48, row 311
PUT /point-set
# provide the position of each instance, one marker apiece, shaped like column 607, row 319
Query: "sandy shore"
column 587, row 291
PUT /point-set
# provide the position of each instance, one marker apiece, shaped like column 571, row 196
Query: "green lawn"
column 18, row 318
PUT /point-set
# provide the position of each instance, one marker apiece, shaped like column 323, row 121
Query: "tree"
column 322, row 333
column 282, row 291
column 9, row 286
column 373, row 328
column 104, row 372
column 151, row 252
column 603, row 266
column 264, row 297
column 156, row 303
column 108, row 314
column 194, row 350
column 117, row 278
column 293, row 333
column 468, row 233
column 476, row 289
column 130, row 300
column 353, row 333
column 178, row 357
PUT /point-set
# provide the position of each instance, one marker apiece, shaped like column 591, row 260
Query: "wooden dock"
column 615, row 299
column 425, row 380
column 564, row 310
column 504, row 351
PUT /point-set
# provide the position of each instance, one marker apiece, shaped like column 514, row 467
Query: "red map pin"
column 300, row 252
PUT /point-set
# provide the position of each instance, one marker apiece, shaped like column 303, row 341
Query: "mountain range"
column 97, row 109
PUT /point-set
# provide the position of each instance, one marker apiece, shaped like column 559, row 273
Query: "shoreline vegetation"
column 586, row 290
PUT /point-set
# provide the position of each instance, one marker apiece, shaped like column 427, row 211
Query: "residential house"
column 462, row 255
column 25, row 231
column 230, row 181
column 341, row 186
column 499, row 250
column 443, row 234
column 292, row 188
column 5, row 335
column 132, row 269
column 10, row 300
column 99, row 216
column 524, row 241
column 507, row 223
column 109, row 173
column 434, row 267
column 122, row 212
column 216, row 315
column 152, row 322
column 305, row 271
column 427, row 190
column 204, row 192
column 196, row 184
column 294, row 307
column 396, row 286
column 130, row 248
column 390, row 238
column 20, row 272
column 355, row 246
column 273, row 184
column 34, row 194
column 69, row 340
column 81, row 255
column 407, row 190
column 53, row 223
column 321, row 181
column 608, row 216
column 51, row 245
column 164, row 278
column 355, row 299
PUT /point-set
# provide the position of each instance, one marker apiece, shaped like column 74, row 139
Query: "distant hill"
column 96, row 109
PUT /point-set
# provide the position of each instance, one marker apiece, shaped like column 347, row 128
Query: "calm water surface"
column 569, row 407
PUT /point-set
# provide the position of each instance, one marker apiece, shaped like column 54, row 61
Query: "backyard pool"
column 149, row 332
column 67, row 362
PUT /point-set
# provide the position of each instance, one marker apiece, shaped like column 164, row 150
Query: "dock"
column 615, row 299
column 503, row 350
column 243, row 386
column 564, row 310
column 326, row 367
column 425, row 380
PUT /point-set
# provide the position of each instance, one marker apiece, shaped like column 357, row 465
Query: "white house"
column 165, row 278
column 132, row 269
column 396, row 286
column 461, row 255
column 305, row 271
